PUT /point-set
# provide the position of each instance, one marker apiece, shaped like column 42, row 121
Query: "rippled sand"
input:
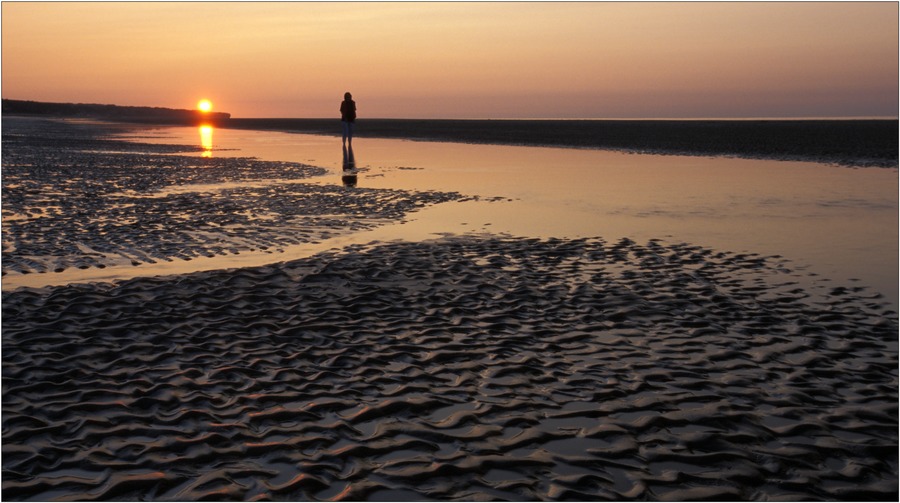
column 467, row 368
column 74, row 200
column 463, row 368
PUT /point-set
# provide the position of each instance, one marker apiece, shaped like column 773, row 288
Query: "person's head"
column 347, row 96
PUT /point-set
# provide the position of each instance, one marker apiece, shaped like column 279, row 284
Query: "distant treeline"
column 111, row 112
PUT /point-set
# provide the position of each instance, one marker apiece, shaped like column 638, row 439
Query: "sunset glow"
column 458, row 250
column 449, row 59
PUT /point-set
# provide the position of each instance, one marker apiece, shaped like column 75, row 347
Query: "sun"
column 204, row 105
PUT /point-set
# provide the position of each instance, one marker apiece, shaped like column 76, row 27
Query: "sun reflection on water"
column 206, row 140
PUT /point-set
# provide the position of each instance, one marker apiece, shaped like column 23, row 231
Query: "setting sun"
column 204, row 105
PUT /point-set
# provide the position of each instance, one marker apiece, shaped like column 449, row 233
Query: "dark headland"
column 152, row 115
column 849, row 142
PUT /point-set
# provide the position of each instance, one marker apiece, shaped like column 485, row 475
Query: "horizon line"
column 700, row 118
column 761, row 118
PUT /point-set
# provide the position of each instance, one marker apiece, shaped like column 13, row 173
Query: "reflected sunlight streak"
column 206, row 140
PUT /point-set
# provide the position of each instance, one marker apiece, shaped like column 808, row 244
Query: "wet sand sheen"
column 840, row 222
column 87, row 208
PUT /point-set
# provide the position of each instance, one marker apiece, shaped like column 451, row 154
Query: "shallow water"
column 838, row 222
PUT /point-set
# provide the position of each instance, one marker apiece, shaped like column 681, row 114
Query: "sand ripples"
column 464, row 368
column 73, row 200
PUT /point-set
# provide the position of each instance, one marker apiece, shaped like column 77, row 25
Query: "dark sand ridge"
column 467, row 368
column 843, row 142
column 462, row 368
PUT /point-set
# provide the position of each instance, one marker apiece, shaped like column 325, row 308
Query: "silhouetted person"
column 348, row 117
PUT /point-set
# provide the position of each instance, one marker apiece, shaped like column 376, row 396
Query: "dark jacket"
column 348, row 111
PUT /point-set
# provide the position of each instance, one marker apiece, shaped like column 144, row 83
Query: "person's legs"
column 349, row 132
column 345, row 127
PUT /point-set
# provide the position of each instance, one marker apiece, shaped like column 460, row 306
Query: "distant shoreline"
column 851, row 142
column 848, row 142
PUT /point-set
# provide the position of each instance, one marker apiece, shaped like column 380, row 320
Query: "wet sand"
column 464, row 367
column 74, row 199
column 843, row 142
column 836, row 221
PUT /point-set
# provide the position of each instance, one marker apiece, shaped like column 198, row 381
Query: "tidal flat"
column 478, row 365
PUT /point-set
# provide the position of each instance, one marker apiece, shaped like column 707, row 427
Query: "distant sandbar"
column 871, row 143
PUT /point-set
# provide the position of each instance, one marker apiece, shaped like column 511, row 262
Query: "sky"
column 461, row 60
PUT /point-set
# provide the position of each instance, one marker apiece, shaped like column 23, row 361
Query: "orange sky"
column 492, row 60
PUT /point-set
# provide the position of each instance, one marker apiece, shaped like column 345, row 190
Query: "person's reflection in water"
column 349, row 174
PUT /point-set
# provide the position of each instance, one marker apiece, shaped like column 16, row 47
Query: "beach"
column 183, row 322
